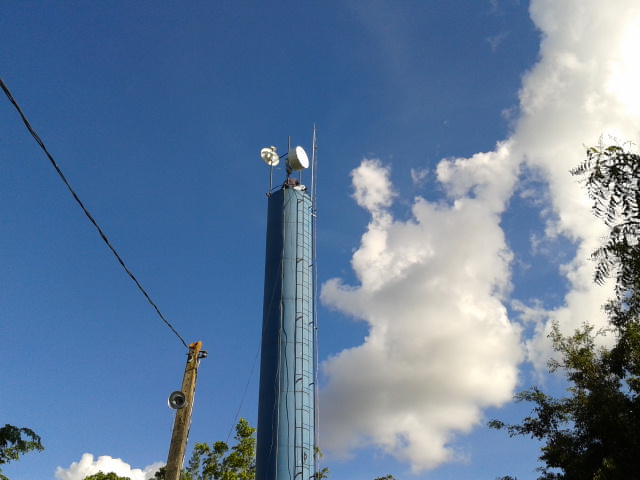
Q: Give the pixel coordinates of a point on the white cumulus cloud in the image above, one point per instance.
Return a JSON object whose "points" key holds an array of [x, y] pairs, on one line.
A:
{"points": [[430, 289], [433, 289], [88, 466], [372, 190]]}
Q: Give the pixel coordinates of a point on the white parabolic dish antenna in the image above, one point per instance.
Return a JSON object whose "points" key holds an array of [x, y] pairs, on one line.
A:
{"points": [[270, 156], [298, 159]]}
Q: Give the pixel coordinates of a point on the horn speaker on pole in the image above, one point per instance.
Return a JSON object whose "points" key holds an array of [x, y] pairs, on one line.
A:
{"points": [[177, 400]]}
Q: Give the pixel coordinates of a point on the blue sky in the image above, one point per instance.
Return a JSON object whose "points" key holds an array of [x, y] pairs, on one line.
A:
{"points": [[450, 233]]}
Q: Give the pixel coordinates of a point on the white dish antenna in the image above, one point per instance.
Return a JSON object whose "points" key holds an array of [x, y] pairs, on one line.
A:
{"points": [[270, 156], [298, 159]]}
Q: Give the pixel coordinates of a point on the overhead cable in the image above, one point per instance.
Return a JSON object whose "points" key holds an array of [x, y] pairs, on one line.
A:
{"points": [[86, 212], [253, 367]]}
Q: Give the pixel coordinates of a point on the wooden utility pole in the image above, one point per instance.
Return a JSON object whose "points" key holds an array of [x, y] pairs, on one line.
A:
{"points": [[183, 415]]}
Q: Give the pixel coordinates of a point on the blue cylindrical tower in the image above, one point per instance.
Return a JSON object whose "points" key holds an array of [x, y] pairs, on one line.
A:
{"points": [[286, 413]]}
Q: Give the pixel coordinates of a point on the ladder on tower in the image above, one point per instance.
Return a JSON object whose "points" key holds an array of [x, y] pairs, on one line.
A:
{"points": [[304, 396]]}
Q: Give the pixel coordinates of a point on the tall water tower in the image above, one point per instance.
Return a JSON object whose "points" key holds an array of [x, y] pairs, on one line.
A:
{"points": [[286, 436]]}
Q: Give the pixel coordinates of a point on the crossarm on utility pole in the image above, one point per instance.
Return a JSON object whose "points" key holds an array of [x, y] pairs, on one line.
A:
{"points": [[183, 415]]}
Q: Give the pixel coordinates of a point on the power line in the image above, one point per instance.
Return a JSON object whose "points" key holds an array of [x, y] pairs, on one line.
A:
{"points": [[86, 212]]}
